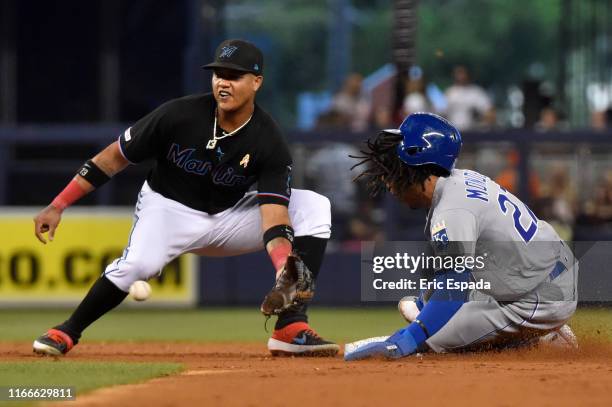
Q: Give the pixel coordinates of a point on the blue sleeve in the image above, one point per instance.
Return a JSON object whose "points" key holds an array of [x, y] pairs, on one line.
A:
{"points": [[436, 313], [419, 301]]}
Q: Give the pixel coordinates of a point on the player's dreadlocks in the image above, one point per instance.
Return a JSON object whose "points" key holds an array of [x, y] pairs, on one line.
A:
{"points": [[384, 166]]}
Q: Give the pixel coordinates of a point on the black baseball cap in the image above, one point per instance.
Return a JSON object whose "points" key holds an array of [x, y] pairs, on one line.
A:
{"points": [[238, 55]]}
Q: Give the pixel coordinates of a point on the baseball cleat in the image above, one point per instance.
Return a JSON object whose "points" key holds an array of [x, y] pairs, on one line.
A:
{"points": [[53, 343], [396, 346], [374, 349], [298, 339], [408, 308], [563, 338], [353, 346]]}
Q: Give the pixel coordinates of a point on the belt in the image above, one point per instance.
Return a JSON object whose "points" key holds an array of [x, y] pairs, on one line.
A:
{"points": [[556, 272]]}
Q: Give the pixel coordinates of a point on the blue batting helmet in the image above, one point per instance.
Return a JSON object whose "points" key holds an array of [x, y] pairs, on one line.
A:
{"points": [[428, 139]]}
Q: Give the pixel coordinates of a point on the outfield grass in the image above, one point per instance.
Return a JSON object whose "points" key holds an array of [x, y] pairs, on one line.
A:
{"points": [[241, 324], [83, 376]]}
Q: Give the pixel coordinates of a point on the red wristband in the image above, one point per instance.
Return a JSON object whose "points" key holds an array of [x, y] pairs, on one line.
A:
{"points": [[279, 255], [69, 195]]}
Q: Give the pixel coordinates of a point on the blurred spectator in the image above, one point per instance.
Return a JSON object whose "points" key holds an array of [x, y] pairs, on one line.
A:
{"points": [[558, 202], [599, 209], [362, 227], [328, 173], [488, 121], [415, 100], [351, 105], [563, 195], [509, 176], [382, 118], [549, 120], [332, 119], [602, 119], [467, 103]]}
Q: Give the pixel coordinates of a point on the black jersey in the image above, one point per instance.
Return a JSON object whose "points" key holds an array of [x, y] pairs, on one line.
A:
{"points": [[209, 180]]}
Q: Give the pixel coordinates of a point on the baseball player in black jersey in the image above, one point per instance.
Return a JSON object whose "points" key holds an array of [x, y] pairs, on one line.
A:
{"points": [[207, 151]]}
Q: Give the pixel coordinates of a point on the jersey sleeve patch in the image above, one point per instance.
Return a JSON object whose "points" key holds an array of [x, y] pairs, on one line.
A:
{"points": [[438, 232], [120, 140], [127, 135]]}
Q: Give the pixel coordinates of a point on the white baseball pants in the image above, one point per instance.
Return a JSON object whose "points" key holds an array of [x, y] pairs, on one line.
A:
{"points": [[164, 229]]}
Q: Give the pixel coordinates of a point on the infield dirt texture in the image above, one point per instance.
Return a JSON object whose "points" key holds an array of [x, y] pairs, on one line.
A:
{"points": [[242, 373]]}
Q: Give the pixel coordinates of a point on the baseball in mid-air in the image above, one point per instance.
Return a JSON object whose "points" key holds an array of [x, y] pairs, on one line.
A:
{"points": [[140, 290]]}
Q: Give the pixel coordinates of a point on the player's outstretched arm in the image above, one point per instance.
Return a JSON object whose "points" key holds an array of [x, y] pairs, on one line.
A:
{"points": [[294, 281], [110, 160], [441, 307], [278, 234], [93, 174]]}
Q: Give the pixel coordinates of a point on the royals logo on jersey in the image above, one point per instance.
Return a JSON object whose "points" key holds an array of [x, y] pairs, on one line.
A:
{"points": [[438, 232], [439, 235]]}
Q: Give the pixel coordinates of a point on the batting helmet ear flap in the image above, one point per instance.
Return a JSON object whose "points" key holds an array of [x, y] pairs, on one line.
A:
{"points": [[429, 139]]}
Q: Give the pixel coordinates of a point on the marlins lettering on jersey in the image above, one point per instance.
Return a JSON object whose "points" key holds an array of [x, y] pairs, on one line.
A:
{"points": [[183, 160], [208, 180], [221, 175]]}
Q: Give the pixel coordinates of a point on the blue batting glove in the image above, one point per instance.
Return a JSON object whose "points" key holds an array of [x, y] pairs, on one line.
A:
{"points": [[405, 343]]}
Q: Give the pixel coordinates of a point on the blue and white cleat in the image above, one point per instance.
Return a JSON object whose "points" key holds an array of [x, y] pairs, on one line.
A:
{"points": [[374, 349], [350, 347], [398, 345]]}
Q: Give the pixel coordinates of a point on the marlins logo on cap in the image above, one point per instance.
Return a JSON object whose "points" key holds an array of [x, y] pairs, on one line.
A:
{"points": [[238, 55], [227, 51]]}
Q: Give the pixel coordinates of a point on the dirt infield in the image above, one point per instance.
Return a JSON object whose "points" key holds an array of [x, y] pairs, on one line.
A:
{"points": [[245, 375]]}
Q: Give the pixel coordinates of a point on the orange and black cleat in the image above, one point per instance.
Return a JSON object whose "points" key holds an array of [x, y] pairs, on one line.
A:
{"points": [[298, 339], [53, 343]]}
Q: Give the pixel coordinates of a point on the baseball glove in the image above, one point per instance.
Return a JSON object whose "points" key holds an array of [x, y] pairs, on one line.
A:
{"points": [[294, 286]]}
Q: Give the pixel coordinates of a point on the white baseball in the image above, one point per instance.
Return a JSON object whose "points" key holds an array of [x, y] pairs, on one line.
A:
{"points": [[140, 290]]}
